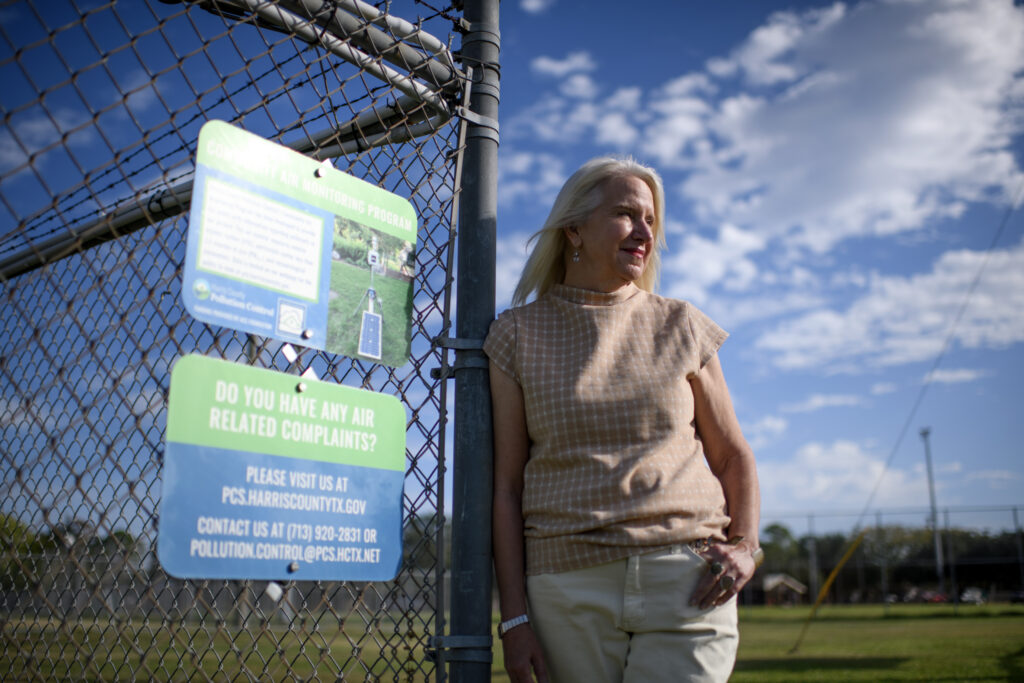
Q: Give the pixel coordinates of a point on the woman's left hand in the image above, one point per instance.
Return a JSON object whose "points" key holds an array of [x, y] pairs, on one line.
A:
{"points": [[730, 567]]}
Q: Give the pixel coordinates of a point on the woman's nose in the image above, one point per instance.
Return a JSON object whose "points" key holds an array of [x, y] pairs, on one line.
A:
{"points": [[642, 230]]}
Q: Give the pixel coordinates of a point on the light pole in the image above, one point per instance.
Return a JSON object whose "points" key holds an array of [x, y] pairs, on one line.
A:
{"points": [[935, 512]]}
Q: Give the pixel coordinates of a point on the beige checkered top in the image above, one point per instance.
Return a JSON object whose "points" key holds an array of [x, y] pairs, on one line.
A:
{"points": [[616, 466]]}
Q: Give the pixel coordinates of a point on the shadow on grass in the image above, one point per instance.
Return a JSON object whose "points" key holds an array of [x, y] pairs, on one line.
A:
{"points": [[800, 665], [834, 614], [1011, 664]]}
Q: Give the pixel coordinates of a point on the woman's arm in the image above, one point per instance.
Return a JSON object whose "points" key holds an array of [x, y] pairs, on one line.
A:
{"points": [[523, 654], [732, 461]]}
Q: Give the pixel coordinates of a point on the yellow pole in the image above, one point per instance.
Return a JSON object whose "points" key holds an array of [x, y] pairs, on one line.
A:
{"points": [[824, 589]]}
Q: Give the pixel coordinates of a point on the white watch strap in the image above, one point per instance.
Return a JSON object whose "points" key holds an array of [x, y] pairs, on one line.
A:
{"points": [[506, 626]]}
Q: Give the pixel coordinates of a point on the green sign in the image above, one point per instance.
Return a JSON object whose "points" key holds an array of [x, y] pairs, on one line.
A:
{"points": [[273, 476], [238, 407], [284, 246]]}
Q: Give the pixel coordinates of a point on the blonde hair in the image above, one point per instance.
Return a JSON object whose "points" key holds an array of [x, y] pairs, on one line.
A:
{"points": [[579, 197]]}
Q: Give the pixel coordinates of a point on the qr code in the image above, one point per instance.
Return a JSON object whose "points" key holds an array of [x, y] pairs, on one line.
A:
{"points": [[291, 318]]}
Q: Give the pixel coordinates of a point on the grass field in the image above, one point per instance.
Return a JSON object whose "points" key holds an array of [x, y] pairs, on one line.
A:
{"points": [[48, 650], [902, 643], [344, 312], [872, 643]]}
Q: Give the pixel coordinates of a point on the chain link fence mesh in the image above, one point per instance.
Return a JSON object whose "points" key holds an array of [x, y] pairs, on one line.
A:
{"points": [[102, 104]]}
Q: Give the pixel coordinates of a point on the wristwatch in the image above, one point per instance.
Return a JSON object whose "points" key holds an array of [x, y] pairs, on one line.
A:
{"points": [[506, 626]]}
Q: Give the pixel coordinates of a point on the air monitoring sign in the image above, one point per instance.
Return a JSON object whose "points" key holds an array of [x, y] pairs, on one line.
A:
{"points": [[283, 246], [273, 476]]}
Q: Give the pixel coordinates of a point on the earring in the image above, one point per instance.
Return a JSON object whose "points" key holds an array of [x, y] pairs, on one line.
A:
{"points": [[576, 256]]}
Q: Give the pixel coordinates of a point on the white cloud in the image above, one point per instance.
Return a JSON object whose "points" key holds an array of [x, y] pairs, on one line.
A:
{"points": [[701, 263], [37, 128], [907, 319], [765, 431], [826, 124], [954, 376], [767, 57], [883, 388], [614, 129], [840, 474], [833, 140], [525, 176], [580, 86], [511, 253], [818, 401], [535, 6], [573, 63]]}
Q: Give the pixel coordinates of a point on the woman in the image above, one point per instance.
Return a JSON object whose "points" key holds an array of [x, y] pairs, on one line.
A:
{"points": [[625, 496]]}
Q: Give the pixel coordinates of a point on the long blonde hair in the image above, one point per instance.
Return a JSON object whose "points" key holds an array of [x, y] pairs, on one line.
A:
{"points": [[579, 197]]}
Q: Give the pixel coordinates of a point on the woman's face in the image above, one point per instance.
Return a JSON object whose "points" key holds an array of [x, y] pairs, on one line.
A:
{"points": [[616, 240]]}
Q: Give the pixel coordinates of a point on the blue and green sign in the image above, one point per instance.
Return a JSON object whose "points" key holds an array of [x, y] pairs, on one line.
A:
{"points": [[273, 476], [283, 246]]}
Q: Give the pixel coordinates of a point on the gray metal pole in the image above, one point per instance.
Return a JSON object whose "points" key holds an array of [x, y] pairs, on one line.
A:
{"points": [[883, 559], [951, 561], [813, 570], [935, 512], [1020, 546], [473, 467]]}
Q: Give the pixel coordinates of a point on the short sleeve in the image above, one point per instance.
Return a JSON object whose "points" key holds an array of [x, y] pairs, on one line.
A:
{"points": [[707, 336], [500, 345]]}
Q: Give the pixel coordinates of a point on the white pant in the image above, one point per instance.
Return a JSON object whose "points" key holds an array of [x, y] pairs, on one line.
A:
{"points": [[630, 621]]}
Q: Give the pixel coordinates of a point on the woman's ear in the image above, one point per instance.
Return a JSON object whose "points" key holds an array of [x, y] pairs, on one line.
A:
{"points": [[572, 233]]}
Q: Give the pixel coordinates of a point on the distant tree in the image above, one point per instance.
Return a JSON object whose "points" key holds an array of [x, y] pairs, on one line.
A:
{"points": [[18, 544], [782, 552], [419, 541]]}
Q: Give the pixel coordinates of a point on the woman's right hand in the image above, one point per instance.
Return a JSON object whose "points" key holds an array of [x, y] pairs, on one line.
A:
{"points": [[524, 658]]}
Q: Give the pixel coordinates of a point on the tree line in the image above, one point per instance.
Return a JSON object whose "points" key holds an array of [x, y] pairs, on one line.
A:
{"points": [[899, 563]]}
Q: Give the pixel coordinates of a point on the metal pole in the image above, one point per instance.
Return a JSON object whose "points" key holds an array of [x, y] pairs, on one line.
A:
{"points": [[935, 513], [1020, 546], [812, 557], [883, 559], [951, 561], [473, 467]]}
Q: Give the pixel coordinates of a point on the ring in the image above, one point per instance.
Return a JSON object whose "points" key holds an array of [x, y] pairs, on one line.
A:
{"points": [[726, 582], [717, 568]]}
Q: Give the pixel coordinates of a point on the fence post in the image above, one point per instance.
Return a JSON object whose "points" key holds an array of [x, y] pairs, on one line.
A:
{"points": [[473, 471]]}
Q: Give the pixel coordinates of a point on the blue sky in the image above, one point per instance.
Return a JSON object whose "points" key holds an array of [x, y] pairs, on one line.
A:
{"points": [[835, 176]]}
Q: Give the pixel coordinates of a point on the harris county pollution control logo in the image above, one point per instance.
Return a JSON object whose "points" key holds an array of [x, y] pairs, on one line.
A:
{"points": [[201, 288]]}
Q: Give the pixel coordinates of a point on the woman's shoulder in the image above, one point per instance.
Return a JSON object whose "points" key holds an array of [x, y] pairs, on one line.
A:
{"points": [[685, 314], [528, 311], [669, 306]]}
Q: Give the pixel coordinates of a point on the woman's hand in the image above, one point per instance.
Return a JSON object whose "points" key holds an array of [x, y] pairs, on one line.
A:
{"points": [[732, 461], [524, 658], [729, 565]]}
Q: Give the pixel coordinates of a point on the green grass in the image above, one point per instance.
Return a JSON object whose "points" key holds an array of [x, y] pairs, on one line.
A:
{"points": [[344, 312], [902, 643], [47, 650], [873, 643]]}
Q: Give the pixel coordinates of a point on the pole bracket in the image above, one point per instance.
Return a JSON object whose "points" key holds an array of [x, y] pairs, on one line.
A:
{"points": [[462, 648], [486, 126], [462, 360], [457, 343]]}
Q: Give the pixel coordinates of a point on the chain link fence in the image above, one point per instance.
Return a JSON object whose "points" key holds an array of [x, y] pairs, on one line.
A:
{"points": [[102, 104]]}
